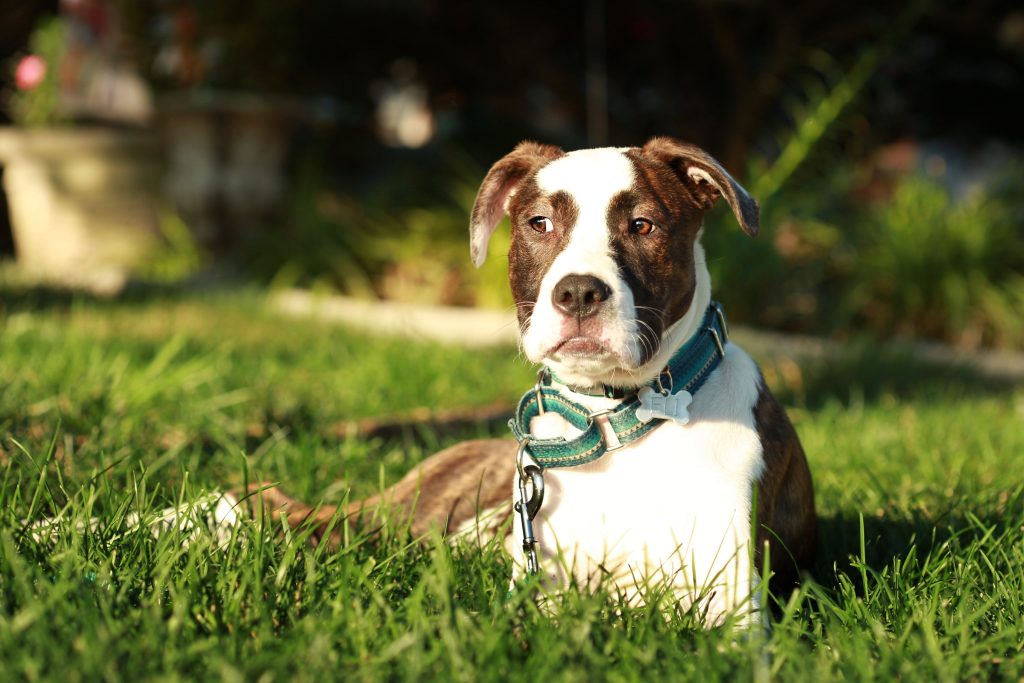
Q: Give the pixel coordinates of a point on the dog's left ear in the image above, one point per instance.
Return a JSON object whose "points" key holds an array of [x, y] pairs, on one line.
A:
{"points": [[497, 189], [706, 178]]}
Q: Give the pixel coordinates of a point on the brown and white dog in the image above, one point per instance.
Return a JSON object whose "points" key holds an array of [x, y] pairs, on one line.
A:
{"points": [[609, 279]]}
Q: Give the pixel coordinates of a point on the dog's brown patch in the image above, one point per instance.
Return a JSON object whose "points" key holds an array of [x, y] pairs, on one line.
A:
{"points": [[445, 492], [785, 501], [682, 158], [531, 253], [501, 181], [658, 267]]}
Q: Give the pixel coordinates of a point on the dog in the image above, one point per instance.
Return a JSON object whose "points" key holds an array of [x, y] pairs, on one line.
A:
{"points": [[639, 451]]}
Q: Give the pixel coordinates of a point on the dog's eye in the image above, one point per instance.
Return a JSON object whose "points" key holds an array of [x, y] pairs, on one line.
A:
{"points": [[641, 226], [541, 224]]}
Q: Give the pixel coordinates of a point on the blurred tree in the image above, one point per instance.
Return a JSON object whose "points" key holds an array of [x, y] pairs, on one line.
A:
{"points": [[714, 71]]}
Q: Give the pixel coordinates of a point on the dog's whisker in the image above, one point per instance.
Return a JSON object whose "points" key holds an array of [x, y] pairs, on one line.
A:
{"points": [[641, 340], [643, 343], [649, 342], [660, 313], [638, 321]]}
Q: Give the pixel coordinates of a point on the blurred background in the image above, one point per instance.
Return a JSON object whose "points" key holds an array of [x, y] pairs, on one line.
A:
{"points": [[338, 145]]}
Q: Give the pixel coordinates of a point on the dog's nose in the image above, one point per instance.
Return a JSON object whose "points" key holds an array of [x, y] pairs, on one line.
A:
{"points": [[580, 295]]}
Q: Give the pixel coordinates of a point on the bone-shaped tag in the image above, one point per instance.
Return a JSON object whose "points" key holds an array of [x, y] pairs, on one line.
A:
{"points": [[654, 404]]}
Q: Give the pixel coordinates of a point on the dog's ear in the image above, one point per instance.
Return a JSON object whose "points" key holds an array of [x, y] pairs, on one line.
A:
{"points": [[699, 171], [497, 189]]}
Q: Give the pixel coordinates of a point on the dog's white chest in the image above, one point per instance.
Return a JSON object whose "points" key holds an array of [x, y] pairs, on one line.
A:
{"points": [[674, 506]]}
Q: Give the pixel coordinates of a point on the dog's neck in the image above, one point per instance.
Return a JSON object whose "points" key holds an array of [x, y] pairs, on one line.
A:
{"points": [[674, 337]]}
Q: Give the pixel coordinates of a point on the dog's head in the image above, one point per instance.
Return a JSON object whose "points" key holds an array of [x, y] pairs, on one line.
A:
{"points": [[605, 262]]}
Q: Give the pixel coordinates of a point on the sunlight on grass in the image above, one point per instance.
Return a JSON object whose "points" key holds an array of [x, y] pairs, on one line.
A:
{"points": [[109, 410]]}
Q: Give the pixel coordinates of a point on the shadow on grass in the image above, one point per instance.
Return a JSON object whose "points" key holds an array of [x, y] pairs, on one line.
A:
{"points": [[21, 298], [866, 371], [862, 374], [888, 540]]}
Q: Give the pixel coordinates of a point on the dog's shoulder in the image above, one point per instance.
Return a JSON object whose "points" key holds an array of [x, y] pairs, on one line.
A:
{"points": [[731, 391]]}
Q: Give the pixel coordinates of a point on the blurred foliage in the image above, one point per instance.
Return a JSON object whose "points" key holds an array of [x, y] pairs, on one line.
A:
{"points": [[326, 241], [821, 101], [915, 261], [405, 239], [835, 257], [820, 108], [179, 255], [918, 262], [922, 261], [40, 106], [942, 268]]}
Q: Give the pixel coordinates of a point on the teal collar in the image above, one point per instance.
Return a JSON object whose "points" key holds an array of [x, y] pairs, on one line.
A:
{"points": [[611, 429]]}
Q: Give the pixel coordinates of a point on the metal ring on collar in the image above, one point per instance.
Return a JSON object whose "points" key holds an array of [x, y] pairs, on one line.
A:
{"points": [[671, 381], [542, 375], [524, 459]]}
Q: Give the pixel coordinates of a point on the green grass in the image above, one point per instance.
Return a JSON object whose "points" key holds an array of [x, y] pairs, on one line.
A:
{"points": [[111, 408]]}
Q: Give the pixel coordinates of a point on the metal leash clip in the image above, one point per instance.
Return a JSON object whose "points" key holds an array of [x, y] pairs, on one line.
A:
{"points": [[530, 472]]}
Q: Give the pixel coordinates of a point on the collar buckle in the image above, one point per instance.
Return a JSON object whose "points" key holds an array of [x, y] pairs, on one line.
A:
{"points": [[720, 314], [608, 435], [720, 341]]}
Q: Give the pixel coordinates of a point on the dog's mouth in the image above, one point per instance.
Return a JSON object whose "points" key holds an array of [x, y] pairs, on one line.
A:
{"points": [[584, 360], [581, 346], [594, 349]]}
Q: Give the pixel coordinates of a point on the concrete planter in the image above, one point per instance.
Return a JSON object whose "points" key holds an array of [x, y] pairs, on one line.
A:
{"points": [[82, 202]]}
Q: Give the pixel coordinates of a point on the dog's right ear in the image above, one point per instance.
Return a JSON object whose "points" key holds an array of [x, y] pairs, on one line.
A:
{"points": [[707, 179], [497, 189]]}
